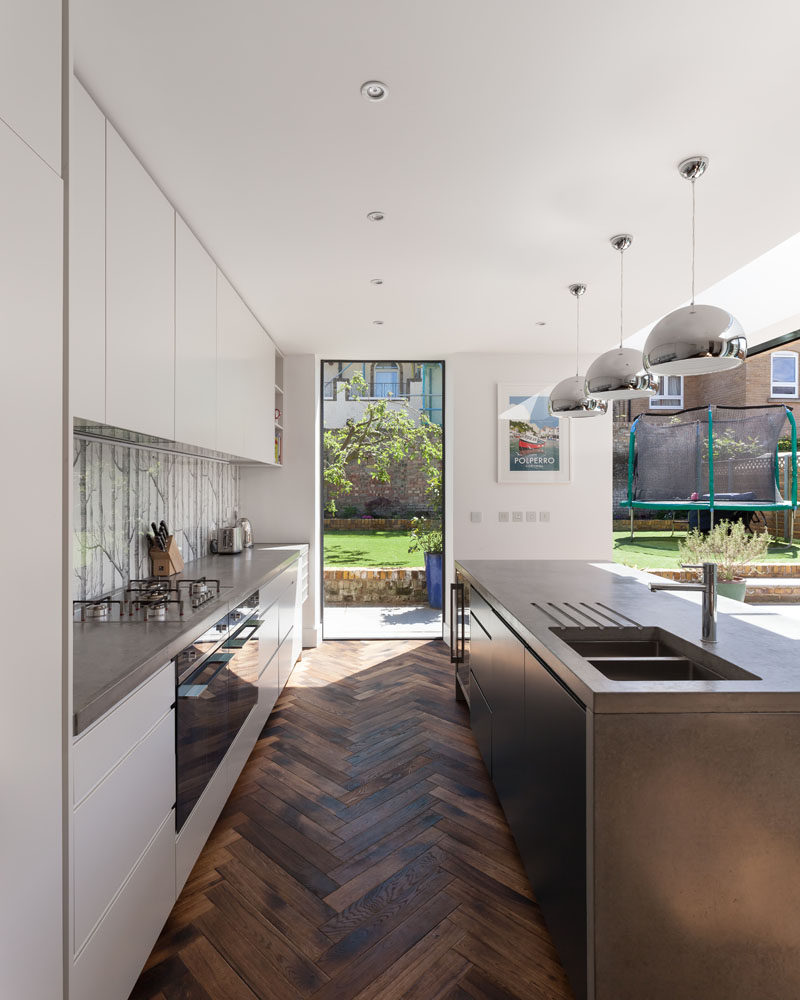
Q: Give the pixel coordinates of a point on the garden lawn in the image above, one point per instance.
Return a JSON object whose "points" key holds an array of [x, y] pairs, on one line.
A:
{"points": [[369, 549], [659, 550]]}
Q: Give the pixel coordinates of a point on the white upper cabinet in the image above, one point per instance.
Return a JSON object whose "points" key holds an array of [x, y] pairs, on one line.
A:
{"points": [[246, 368], [30, 74], [233, 318], [259, 427], [140, 296], [87, 257], [195, 341]]}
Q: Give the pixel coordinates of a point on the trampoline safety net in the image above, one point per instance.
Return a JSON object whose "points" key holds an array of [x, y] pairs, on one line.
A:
{"points": [[670, 455]]}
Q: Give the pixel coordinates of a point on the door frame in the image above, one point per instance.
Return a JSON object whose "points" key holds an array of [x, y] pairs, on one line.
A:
{"points": [[321, 430]]}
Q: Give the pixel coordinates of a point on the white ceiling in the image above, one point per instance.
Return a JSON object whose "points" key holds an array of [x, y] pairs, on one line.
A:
{"points": [[516, 138]]}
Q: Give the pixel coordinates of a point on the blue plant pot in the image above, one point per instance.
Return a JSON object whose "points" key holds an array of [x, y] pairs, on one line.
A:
{"points": [[433, 578]]}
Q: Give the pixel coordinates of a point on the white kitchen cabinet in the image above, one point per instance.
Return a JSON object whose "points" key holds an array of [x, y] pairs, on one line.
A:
{"points": [[259, 426], [30, 74], [233, 318], [111, 961], [140, 297], [87, 258], [123, 839], [246, 378], [117, 820], [31, 292], [195, 341]]}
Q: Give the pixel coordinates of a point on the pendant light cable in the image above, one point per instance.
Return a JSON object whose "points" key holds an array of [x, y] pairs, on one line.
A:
{"points": [[693, 239], [577, 334], [621, 292]]}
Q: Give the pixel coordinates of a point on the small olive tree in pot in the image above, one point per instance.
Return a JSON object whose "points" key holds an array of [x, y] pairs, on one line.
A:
{"points": [[731, 547], [427, 537]]}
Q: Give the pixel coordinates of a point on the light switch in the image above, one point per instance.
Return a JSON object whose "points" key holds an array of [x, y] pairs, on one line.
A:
{"points": [[502, 515], [516, 516], [544, 515], [475, 516], [530, 516]]}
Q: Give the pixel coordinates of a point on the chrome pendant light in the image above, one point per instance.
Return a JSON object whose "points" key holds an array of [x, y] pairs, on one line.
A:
{"points": [[620, 373], [695, 340], [569, 398]]}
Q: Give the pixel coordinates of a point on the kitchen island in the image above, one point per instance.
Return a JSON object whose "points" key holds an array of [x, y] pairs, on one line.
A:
{"points": [[658, 820]]}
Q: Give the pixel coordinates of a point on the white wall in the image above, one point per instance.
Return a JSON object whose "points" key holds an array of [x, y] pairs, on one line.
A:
{"points": [[284, 504], [580, 512]]}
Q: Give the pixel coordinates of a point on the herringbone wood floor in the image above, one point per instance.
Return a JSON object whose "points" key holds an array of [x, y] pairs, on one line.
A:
{"points": [[362, 855]]}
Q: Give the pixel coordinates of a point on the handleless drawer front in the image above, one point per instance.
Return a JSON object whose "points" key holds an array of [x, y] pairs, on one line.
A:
{"points": [[97, 751], [116, 822], [109, 965], [268, 636], [288, 600]]}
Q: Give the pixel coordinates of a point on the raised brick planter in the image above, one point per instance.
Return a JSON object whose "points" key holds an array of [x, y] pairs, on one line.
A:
{"points": [[767, 583], [355, 585]]}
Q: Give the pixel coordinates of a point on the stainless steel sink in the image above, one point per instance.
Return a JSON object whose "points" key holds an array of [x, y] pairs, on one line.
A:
{"points": [[648, 654]]}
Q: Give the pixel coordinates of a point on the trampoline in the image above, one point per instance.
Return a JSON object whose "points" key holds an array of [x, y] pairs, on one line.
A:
{"points": [[713, 459]]}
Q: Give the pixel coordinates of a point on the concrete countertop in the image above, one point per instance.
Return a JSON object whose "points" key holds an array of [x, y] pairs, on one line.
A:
{"points": [[752, 638], [111, 659]]}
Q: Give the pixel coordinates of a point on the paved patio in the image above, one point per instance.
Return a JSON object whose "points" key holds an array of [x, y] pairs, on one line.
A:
{"points": [[381, 622]]}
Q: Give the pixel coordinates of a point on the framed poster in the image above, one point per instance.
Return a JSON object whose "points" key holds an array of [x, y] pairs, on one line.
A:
{"points": [[532, 446]]}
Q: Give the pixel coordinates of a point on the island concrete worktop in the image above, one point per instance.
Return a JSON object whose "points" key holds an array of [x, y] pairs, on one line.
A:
{"points": [[531, 592], [111, 659]]}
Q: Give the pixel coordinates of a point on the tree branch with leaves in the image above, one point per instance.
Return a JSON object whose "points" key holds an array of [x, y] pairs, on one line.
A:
{"points": [[385, 435]]}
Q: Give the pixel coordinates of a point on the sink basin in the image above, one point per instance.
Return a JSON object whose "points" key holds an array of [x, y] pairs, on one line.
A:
{"points": [[648, 654]]}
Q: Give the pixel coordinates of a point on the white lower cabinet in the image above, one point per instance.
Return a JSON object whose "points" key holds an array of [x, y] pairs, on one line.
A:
{"points": [[114, 825], [123, 839], [114, 955]]}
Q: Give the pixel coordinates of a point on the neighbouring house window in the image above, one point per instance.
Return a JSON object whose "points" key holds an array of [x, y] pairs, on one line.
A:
{"points": [[386, 380], [783, 378], [670, 393], [332, 372]]}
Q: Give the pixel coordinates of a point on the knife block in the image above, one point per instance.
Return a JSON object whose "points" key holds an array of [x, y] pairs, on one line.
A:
{"points": [[166, 563]]}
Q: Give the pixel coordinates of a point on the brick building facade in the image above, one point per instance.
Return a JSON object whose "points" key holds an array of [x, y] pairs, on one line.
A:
{"points": [[770, 375]]}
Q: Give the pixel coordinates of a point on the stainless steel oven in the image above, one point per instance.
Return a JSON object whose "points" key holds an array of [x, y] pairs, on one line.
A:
{"points": [[460, 634], [217, 686]]}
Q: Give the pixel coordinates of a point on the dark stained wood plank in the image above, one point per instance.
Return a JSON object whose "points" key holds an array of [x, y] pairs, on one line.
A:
{"points": [[362, 855]]}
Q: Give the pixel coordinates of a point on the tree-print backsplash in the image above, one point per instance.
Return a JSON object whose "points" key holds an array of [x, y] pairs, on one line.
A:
{"points": [[119, 490]]}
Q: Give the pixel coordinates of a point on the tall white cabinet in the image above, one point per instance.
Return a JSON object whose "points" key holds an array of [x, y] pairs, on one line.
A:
{"points": [[140, 296], [195, 340], [87, 258], [31, 292]]}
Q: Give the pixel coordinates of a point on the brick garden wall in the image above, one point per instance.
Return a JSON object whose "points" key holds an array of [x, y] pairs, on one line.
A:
{"points": [[375, 586], [404, 496], [368, 524]]}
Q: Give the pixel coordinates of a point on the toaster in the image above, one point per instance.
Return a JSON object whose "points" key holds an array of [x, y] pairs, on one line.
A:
{"points": [[230, 540]]}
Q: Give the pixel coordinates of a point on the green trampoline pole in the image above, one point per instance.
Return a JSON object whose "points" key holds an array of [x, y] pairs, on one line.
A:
{"points": [[711, 468]]}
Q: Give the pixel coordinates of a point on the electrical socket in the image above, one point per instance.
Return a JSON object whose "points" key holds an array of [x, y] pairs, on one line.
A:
{"points": [[516, 516], [475, 516], [502, 515], [544, 515], [530, 516]]}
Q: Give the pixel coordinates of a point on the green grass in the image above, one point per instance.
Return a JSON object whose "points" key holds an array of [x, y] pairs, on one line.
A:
{"points": [[659, 550], [369, 549]]}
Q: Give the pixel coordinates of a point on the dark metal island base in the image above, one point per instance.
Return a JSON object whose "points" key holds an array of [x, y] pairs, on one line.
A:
{"points": [[658, 819]]}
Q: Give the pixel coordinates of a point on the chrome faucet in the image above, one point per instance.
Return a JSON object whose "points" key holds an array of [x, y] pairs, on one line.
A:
{"points": [[708, 588]]}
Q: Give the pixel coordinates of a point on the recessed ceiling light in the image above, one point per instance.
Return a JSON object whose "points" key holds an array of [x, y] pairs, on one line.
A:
{"points": [[378, 322], [374, 90], [540, 322], [376, 281], [375, 216]]}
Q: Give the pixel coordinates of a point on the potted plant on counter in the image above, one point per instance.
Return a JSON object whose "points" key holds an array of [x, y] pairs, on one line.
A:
{"points": [[730, 546], [427, 537]]}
